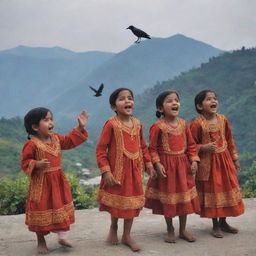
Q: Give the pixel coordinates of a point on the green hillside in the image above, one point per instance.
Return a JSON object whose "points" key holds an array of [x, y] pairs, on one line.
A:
{"points": [[232, 76]]}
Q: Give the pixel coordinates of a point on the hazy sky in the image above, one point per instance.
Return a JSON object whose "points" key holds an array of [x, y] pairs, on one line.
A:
{"points": [[85, 25]]}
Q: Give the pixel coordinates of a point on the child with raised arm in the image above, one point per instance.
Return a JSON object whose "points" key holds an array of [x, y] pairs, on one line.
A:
{"points": [[121, 155], [174, 155], [49, 206], [217, 182]]}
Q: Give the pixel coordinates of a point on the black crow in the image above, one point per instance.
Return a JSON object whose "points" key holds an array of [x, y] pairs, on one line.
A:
{"points": [[99, 91], [139, 33]]}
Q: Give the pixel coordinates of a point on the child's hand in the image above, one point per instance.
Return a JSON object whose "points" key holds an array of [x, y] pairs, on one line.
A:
{"points": [[151, 172], [237, 165], [194, 167], [109, 179], [210, 147], [161, 173], [82, 120], [42, 164]]}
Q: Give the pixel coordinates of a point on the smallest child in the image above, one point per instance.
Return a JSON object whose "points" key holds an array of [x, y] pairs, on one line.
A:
{"points": [[49, 205]]}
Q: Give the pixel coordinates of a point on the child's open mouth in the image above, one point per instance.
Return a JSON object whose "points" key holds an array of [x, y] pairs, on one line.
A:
{"points": [[50, 128], [213, 106], [127, 107], [175, 108]]}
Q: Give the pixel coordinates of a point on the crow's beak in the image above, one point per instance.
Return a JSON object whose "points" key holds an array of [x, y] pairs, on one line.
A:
{"points": [[127, 28]]}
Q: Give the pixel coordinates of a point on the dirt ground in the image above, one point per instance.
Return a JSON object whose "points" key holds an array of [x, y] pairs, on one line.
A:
{"points": [[89, 232]]}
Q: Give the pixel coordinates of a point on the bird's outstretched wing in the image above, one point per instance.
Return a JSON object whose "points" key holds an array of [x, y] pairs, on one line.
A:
{"points": [[93, 89], [101, 88]]}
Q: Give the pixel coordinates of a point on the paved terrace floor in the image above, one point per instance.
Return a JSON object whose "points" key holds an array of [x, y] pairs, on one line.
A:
{"points": [[89, 232]]}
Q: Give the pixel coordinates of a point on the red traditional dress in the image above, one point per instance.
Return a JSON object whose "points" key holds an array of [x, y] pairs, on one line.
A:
{"points": [[217, 182], [123, 151], [175, 148], [49, 205]]}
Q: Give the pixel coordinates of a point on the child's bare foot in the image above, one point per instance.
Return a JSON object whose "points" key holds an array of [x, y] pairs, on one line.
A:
{"points": [[112, 235], [65, 243], [41, 246], [225, 227], [131, 243], [187, 236], [170, 238], [216, 232]]}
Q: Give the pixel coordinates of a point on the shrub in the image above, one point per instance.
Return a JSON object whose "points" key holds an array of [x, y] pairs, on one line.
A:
{"points": [[13, 194]]}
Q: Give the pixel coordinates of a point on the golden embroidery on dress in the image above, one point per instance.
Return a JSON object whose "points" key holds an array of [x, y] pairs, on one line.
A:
{"points": [[49, 217], [120, 202], [175, 131], [221, 199], [119, 127], [53, 148], [171, 198]]}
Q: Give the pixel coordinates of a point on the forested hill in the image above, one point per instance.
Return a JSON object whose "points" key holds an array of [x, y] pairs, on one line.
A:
{"points": [[232, 76], [12, 137]]}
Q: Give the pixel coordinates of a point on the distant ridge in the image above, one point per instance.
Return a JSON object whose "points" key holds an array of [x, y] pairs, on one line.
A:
{"points": [[61, 78], [47, 52]]}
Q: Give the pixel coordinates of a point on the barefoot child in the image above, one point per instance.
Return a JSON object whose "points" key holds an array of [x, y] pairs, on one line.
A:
{"points": [[49, 206], [174, 155], [217, 182], [121, 155]]}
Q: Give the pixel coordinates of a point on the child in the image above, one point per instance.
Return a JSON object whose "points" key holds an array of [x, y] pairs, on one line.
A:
{"points": [[217, 184], [49, 206], [174, 155], [121, 154]]}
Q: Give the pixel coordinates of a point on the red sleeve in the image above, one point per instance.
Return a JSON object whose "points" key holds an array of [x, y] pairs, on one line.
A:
{"points": [[72, 139], [191, 146], [145, 152], [28, 160], [103, 146], [154, 134], [196, 132], [230, 141]]}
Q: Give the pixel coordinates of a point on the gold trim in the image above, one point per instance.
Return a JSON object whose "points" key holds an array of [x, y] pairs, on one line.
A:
{"points": [[204, 167], [53, 148], [36, 183], [120, 202], [219, 200], [49, 217], [119, 127], [80, 134], [31, 167], [167, 129], [105, 168], [171, 198]]}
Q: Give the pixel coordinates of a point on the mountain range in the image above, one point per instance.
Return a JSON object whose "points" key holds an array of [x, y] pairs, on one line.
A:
{"points": [[59, 79]]}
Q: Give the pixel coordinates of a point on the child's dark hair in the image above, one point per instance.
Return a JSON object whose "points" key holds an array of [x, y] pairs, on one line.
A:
{"points": [[114, 95], [200, 98], [160, 101], [33, 117]]}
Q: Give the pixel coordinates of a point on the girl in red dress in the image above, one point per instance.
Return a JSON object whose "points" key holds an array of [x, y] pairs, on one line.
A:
{"points": [[217, 182], [49, 206], [174, 155], [121, 155]]}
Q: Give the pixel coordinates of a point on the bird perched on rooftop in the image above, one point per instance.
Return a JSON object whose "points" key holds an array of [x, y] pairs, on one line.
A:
{"points": [[139, 33], [99, 91]]}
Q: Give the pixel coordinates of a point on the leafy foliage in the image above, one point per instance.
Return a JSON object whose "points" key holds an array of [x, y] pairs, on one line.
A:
{"points": [[14, 193]]}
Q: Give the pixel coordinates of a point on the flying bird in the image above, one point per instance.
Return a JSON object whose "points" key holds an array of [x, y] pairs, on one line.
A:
{"points": [[99, 91], [139, 33]]}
